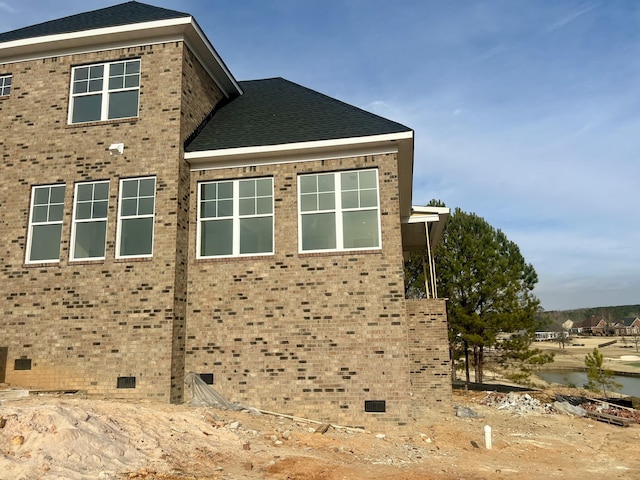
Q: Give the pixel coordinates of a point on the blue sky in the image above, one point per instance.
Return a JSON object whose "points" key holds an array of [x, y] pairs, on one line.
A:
{"points": [[526, 113]]}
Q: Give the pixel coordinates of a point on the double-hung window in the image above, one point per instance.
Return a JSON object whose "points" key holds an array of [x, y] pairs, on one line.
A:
{"points": [[5, 85], [45, 223], [235, 218], [339, 211], [89, 229], [105, 91], [136, 217]]}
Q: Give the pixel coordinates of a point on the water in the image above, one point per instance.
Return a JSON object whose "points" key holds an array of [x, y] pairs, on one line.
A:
{"points": [[630, 385]]}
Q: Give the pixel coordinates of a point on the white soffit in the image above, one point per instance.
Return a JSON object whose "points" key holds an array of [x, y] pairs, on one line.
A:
{"points": [[161, 31]]}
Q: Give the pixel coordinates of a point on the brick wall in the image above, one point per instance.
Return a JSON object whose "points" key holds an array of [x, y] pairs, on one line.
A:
{"points": [[83, 324], [430, 361], [305, 334]]}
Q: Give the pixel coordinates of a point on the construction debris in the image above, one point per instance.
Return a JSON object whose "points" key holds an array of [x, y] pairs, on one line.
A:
{"points": [[515, 403]]}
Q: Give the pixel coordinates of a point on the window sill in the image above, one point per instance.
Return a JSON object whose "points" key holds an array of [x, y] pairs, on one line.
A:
{"points": [[132, 259], [42, 264], [333, 253], [234, 259], [130, 121]]}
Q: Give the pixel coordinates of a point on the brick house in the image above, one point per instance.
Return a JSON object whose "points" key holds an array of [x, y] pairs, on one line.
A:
{"points": [[160, 217]]}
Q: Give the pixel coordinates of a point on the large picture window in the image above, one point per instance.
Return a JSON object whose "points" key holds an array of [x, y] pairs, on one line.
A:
{"points": [[235, 218], [339, 211], [105, 91], [136, 217], [45, 223], [89, 230]]}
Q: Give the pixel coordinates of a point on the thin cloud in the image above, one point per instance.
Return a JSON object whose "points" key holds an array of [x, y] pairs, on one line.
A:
{"points": [[7, 8], [571, 17]]}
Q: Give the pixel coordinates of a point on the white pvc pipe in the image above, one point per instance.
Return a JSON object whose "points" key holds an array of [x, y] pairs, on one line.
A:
{"points": [[487, 437]]}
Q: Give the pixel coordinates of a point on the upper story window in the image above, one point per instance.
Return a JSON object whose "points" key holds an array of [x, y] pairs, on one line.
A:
{"points": [[235, 218], [45, 224], [89, 230], [136, 217], [5, 85], [105, 91], [339, 211]]}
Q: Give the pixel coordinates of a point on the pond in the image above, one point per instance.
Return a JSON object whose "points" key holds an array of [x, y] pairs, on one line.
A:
{"points": [[630, 384]]}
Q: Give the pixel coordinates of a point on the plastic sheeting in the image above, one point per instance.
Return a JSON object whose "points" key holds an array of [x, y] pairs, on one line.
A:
{"points": [[204, 395]]}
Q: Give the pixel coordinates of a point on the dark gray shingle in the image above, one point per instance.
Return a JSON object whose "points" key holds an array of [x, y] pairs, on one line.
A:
{"points": [[276, 111], [116, 15]]}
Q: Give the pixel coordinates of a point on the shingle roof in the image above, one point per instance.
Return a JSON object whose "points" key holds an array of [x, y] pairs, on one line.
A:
{"points": [[123, 14], [276, 111]]}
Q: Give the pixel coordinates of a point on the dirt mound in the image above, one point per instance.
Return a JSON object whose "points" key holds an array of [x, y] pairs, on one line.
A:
{"points": [[66, 437]]}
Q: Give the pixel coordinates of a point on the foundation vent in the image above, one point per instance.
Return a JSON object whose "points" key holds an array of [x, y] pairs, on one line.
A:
{"points": [[22, 364], [207, 378], [126, 382], [375, 406]]}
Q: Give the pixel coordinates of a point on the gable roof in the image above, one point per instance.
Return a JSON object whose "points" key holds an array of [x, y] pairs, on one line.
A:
{"points": [[116, 15], [276, 111]]}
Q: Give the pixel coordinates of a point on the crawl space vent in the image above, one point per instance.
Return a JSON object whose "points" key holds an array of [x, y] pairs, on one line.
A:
{"points": [[375, 406], [126, 382], [22, 364]]}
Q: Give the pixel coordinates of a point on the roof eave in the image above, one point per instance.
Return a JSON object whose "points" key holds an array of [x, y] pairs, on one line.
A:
{"points": [[177, 29]]}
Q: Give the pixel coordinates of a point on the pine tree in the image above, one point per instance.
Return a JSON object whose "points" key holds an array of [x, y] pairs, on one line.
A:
{"points": [[488, 283], [599, 377]]}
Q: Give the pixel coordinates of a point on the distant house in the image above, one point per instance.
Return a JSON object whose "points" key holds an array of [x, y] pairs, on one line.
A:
{"points": [[594, 326], [627, 326], [160, 217]]}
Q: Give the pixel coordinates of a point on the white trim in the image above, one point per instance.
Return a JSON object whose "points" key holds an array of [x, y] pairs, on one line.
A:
{"points": [[83, 49], [60, 222], [120, 217], [289, 147], [184, 29], [105, 92], [282, 160], [97, 32], [338, 210], [235, 218], [75, 222]]}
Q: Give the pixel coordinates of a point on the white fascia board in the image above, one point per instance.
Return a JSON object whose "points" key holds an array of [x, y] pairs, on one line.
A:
{"points": [[428, 210], [32, 43], [421, 218], [123, 36], [235, 155]]}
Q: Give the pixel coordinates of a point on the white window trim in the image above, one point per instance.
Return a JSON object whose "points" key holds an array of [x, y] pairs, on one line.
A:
{"points": [[338, 210], [104, 107], [3, 84], [32, 224], [236, 221], [121, 217], [74, 222]]}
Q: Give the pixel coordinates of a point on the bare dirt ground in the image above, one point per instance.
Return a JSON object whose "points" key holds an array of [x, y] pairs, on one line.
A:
{"points": [[67, 437], [71, 437]]}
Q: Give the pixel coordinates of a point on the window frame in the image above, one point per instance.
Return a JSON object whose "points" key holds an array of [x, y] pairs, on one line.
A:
{"points": [[75, 221], [5, 87], [32, 223], [138, 216], [339, 211], [105, 91], [235, 217]]}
